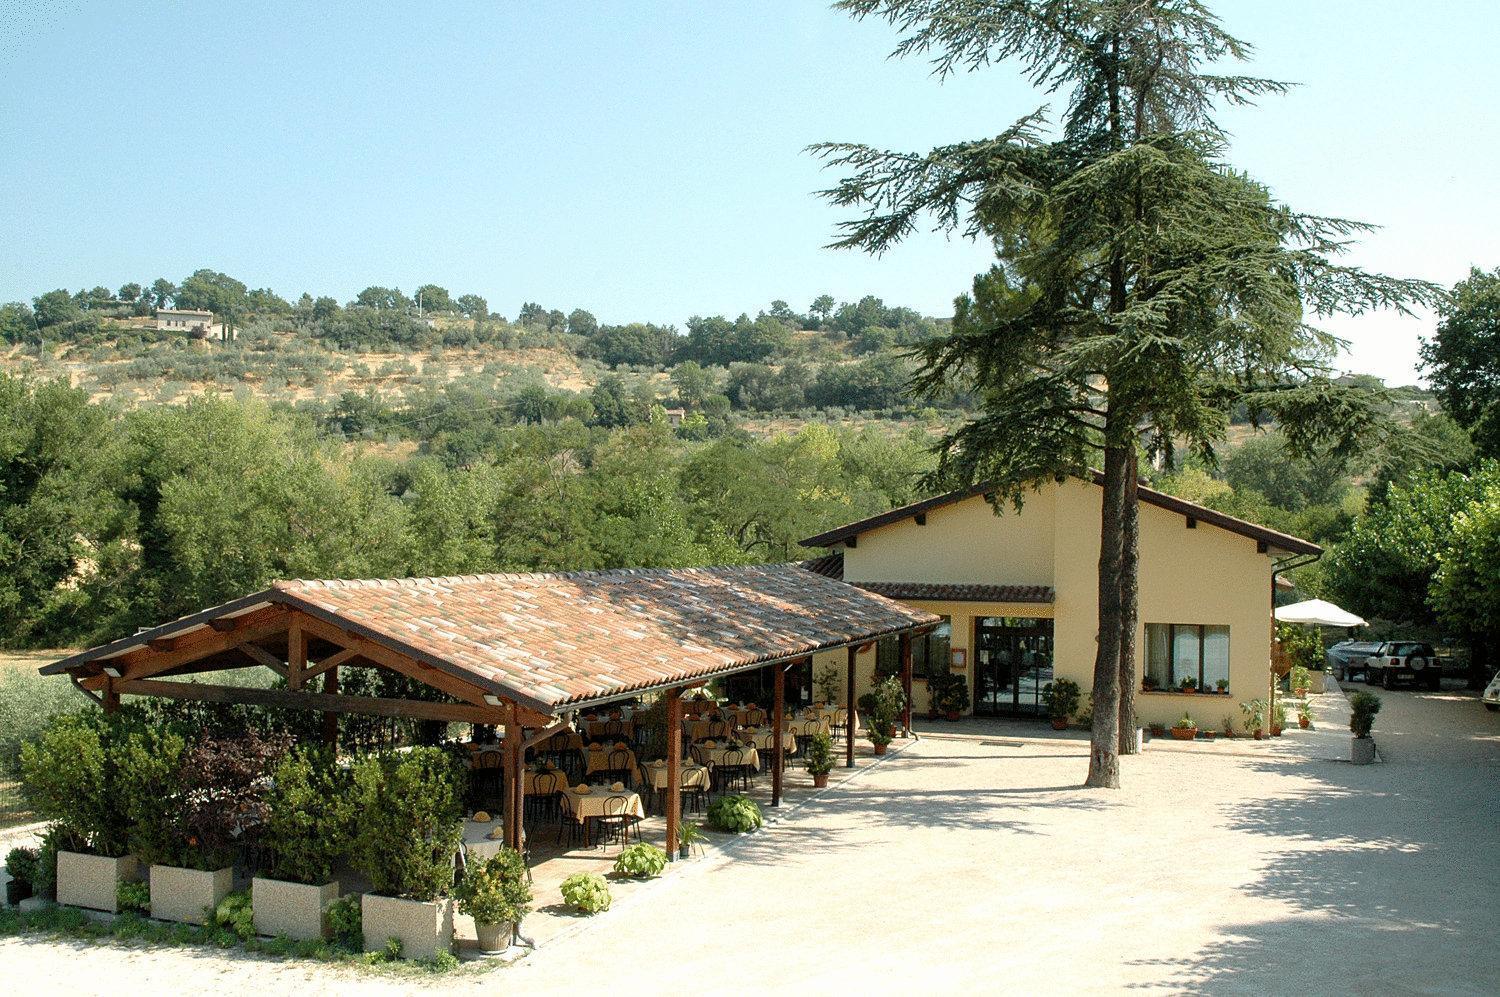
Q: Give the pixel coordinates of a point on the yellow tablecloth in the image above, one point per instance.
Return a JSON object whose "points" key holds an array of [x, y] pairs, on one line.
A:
{"points": [[530, 778], [761, 737], [609, 728], [594, 803], [717, 755], [598, 761], [563, 739], [692, 776], [807, 727]]}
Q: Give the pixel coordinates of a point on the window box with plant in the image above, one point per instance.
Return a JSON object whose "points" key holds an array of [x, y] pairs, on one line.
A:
{"points": [[1062, 696], [1362, 709], [497, 896], [409, 826], [71, 775], [819, 758], [309, 821], [1185, 729], [1189, 685]]}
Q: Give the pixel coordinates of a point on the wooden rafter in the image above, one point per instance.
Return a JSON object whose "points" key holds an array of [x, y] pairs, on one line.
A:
{"points": [[322, 701], [261, 656]]}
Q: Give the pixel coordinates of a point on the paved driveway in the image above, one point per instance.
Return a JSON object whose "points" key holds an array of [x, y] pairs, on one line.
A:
{"points": [[972, 860]]}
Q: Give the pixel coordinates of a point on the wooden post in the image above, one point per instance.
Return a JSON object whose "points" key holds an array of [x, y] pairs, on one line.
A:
{"points": [[906, 683], [849, 718], [514, 796], [296, 654], [778, 721], [673, 809], [331, 719], [111, 697]]}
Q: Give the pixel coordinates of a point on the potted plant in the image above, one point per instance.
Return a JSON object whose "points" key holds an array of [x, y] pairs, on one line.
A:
{"points": [[641, 861], [409, 827], [214, 791], [1149, 683], [21, 865], [1304, 715], [885, 706], [1228, 726], [586, 892], [1362, 709], [308, 823], [1158, 730], [1299, 681], [949, 695], [71, 775], [819, 758], [738, 814], [1185, 729], [1062, 696], [1278, 718], [687, 836], [497, 896], [1255, 717], [1223, 686], [1189, 684]]}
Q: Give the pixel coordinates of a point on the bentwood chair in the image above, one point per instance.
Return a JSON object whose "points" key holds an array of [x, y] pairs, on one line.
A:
{"points": [[567, 820], [693, 795], [733, 771], [616, 821], [541, 802]]}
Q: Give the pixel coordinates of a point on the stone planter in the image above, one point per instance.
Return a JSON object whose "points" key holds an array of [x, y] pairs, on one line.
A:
{"points": [[296, 910], [91, 880], [1316, 683], [188, 895], [1362, 750], [424, 929], [493, 937]]}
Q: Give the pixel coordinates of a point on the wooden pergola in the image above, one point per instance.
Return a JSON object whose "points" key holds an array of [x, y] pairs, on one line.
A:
{"points": [[518, 652]]}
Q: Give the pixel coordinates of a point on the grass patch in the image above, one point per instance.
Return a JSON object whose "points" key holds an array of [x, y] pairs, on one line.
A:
{"points": [[133, 929]]}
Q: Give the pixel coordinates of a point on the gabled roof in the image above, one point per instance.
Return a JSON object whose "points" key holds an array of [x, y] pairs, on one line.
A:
{"points": [[551, 641], [832, 566], [1273, 539]]}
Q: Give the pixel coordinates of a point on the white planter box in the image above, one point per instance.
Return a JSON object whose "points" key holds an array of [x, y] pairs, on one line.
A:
{"points": [[91, 880], [296, 910], [1362, 750], [185, 894], [425, 929]]}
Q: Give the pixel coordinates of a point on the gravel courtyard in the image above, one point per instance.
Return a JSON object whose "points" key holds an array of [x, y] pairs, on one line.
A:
{"points": [[972, 860]]}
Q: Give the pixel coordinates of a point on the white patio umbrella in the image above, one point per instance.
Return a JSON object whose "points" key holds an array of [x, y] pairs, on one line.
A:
{"points": [[1318, 611]]}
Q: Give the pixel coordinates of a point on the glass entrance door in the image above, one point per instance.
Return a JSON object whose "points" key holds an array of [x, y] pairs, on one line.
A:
{"points": [[1012, 664]]}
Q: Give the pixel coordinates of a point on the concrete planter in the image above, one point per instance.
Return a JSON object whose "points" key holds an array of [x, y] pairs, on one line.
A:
{"points": [[493, 937], [188, 895], [91, 880], [1316, 684], [296, 910], [424, 929], [1362, 750]]}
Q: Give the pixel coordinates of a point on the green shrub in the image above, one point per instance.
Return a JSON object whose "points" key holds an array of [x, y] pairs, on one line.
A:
{"points": [[346, 922], [44, 873], [71, 776], [949, 693], [410, 822], [149, 784], [1362, 709], [586, 891], [1062, 697], [21, 864], [134, 896], [1255, 715], [641, 861], [819, 760], [234, 914], [310, 817], [734, 813], [496, 892]]}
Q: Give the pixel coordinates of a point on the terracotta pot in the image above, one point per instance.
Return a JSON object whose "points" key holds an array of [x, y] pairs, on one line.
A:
{"points": [[1189, 692], [1184, 733], [1304, 723], [1259, 734], [1275, 731], [953, 715], [880, 749], [1208, 735], [1059, 723], [1301, 692], [820, 781]]}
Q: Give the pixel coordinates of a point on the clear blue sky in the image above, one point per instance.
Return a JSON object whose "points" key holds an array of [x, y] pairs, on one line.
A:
{"points": [[643, 160]]}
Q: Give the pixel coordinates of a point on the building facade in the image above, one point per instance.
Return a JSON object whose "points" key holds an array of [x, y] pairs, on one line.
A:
{"points": [[188, 321], [1018, 590]]}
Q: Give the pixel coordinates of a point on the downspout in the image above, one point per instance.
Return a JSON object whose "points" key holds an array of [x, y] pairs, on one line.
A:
{"points": [[1277, 568]]}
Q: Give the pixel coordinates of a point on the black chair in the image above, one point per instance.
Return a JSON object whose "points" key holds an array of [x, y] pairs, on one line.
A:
{"points": [[693, 796], [617, 821], [541, 802], [732, 771], [620, 767]]}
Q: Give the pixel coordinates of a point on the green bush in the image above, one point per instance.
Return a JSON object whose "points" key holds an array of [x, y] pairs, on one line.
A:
{"points": [[949, 693], [1362, 709], [71, 775], [819, 759], [234, 914], [149, 784], [734, 813], [1062, 697], [410, 822], [134, 896], [21, 864], [586, 891], [44, 873], [496, 892], [346, 922], [641, 861], [310, 817]]}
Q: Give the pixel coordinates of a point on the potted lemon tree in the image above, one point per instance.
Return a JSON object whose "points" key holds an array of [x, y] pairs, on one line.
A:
{"points": [[309, 819], [409, 825]]}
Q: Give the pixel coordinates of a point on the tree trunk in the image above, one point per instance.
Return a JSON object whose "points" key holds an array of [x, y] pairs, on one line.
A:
{"points": [[1104, 757], [1129, 600]]}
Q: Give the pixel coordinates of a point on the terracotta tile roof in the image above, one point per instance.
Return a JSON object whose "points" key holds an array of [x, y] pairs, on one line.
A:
{"points": [[829, 565], [553, 640], [946, 592]]}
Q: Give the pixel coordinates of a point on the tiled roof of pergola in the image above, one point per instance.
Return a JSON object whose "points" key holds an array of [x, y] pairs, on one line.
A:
{"points": [[554, 641]]}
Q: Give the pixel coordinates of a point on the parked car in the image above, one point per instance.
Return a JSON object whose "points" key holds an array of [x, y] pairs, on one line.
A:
{"points": [[1347, 658], [1398, 661], [1491, 694]]}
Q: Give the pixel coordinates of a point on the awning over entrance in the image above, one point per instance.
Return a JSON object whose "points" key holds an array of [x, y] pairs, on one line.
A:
{"points": [[1316, 611]]}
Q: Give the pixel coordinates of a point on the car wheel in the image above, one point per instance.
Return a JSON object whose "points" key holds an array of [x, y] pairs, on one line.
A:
{"points": [[1385, 678]]}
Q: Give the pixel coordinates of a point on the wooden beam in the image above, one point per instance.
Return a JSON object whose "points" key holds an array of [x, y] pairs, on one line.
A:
{"points": [[296, 655], [224, 625], [545, 733], [921, 518], [849, 719], [513, 797], [111, 698], [332, 661], [192, 647], [264, 657], [162, 644], [778, 721], [1192, 522], [327, 702], [674, 770], [906, 683], [330, 718]]}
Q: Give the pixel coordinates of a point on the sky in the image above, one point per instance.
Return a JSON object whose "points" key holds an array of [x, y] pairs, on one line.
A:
{"points": [[645, 160]]}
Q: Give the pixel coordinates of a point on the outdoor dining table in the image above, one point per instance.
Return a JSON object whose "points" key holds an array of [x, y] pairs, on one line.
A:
{"points": [[559, 779], [478, 845], [609, 728], [691, 776], [595, 803], [716, 755], [808, 726], [597, 759], [760, 737]]}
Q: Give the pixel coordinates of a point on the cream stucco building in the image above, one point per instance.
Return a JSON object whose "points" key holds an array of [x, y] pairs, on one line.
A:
{"points": [[1019, 591]]}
